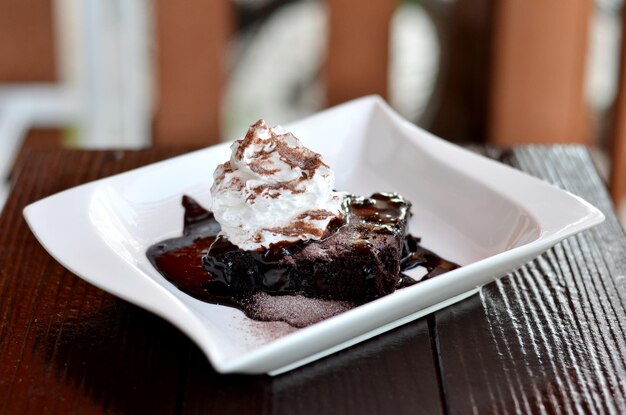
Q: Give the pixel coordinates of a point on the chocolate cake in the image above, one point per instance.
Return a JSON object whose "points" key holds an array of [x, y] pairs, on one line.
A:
{"points": [[359, 259]]}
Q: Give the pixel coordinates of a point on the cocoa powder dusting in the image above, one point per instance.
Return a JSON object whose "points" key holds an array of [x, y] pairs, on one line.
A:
{"points": [[268, 331], [297, 310], [237, 183], [316, 214], [225, 169]]}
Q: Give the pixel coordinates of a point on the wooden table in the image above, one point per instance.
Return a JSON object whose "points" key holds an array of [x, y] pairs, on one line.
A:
{"points": [[548, 338]]}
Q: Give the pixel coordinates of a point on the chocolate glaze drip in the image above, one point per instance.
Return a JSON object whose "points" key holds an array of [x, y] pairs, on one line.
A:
{"points": [[184, 260], [380, 208], [414, 255]]}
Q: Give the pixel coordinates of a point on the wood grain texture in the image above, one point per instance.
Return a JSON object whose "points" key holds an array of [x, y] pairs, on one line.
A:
{"points": [[548, 338], [66, 346]]}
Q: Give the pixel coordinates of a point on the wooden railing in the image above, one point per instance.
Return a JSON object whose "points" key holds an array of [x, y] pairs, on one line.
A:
{"points": [[533, 90]]}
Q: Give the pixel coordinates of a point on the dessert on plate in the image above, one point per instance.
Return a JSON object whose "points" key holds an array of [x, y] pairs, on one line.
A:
{"points": [[280, 236]]}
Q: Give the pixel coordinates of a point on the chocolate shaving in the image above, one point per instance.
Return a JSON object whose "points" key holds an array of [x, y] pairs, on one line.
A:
{"points": [[297, 228], [303, 158], [317, 214], [267, 188], [291, 186], [296, 157], [257, 167]]}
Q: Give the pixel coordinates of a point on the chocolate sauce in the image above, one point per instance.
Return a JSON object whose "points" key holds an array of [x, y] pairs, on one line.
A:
{"points": [[414, 255], [381, 208], [184, 260]]}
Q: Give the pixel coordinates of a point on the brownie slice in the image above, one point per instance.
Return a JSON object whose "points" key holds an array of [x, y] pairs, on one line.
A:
{"points": [[357, 262]]}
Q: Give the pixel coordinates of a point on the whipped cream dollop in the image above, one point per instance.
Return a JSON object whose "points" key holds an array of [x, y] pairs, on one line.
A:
{"points": [[273, 189]]}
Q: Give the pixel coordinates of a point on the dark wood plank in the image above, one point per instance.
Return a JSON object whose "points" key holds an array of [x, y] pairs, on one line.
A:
{"points": [[392, 373], [65, 346], [38, 138], [550, 337]]}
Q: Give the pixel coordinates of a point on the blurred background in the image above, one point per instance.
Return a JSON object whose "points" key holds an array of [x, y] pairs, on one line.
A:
{"points": [[138, 73]]}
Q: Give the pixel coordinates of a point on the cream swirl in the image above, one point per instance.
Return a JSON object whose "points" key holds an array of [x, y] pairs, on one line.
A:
{"points": [[273, 190]]}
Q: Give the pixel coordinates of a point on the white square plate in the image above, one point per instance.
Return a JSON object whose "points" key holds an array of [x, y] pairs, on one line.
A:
{"points": [[474, 211]]}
